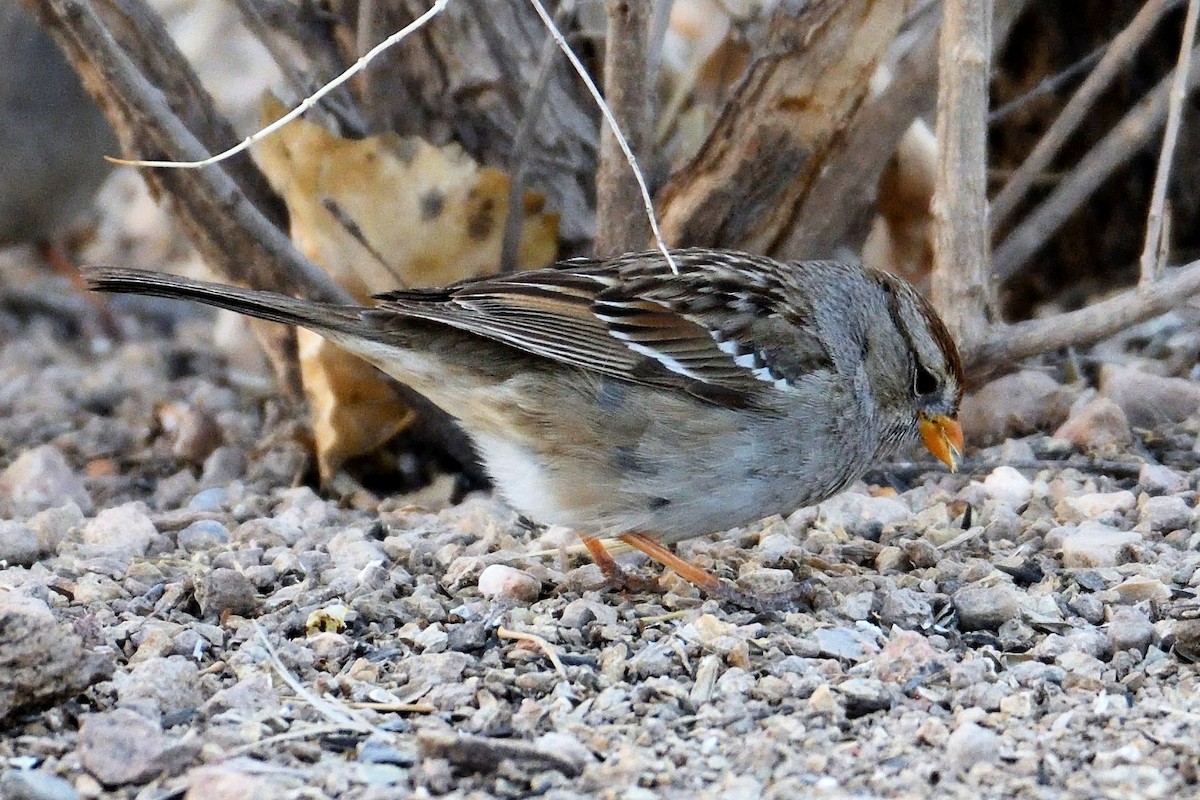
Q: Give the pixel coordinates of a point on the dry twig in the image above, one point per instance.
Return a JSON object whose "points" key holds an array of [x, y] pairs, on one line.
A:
{"points": [[1152, 260], [1119, 53], [960, 280], [521, 636], [1004, 345], [1128, 137], [620, 228]]}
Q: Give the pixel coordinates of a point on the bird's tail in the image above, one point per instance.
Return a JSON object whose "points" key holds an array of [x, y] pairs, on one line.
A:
{"points": [[271, 306]]}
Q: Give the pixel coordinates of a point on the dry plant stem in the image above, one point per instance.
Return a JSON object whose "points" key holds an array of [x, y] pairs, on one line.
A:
{"points": [[614, 128], [1007, 344], [305, 104], [1126, 139], [1048, 85], [537, 641], [1151, 264], [785, 119], [621, 227], [960, 281], [1118, 55]]}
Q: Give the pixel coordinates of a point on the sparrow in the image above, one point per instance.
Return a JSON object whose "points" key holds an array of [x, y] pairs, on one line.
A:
{"points": [[621, 398]]}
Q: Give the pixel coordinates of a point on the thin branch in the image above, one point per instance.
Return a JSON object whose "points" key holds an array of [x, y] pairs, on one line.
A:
{"points": [[1048, 85], [619, 228], [613, 126], [1005, 344], [1151, 265], [1116, 57], [305, 105], [960, 282], [1129, 137]]}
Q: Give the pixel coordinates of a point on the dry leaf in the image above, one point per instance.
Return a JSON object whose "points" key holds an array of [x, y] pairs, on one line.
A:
{"points": [[901, 238], [383, 213]]}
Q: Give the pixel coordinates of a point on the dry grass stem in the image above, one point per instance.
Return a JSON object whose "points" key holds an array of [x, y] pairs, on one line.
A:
{"points": [[1152, 260]]}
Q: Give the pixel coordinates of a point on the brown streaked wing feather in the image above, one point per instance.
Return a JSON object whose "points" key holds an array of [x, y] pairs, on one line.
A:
{"points": [[632, 319]]}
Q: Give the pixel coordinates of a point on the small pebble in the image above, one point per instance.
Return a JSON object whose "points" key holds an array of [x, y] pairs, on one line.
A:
{"points": [[1159, 479], [1008, 486], [985, 607], [1096, 545], [35, 784], [123, 531], [203, 535], [1130, 629], [972, 744], [502, 582], [1166, 513], [18, 544], [225, 589], [1149, 399]]}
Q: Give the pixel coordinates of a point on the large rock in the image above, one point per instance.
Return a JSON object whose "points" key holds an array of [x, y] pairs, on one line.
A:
{"points": [[39, 479], [1015, 405], [40, 659], [1099, 426], [1148, 399]]}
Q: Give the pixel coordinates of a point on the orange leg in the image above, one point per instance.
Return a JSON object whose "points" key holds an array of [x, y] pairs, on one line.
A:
{"points": [[617, 577], [710, 584]]}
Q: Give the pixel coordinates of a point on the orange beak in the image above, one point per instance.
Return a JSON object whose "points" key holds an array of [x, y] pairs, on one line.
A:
{"points": [[944, 438]]}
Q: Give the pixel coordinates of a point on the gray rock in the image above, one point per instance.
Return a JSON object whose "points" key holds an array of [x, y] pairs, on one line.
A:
{"points": [[122, 531], [865, 695], [39, 479], [54, 525], [40, 659], [1099, 426], [1015, 405], [985, 607], [18, 544], [226, 589], [211, 499], [167, 685], [1093, 544], [1159, 479], [1165, 513], [845, 643], [203, 535], [228, 782], [35, 784], [120, 748], [1149, 400], [972, 744], [502, 582], [905, 608], [1130, 629]]}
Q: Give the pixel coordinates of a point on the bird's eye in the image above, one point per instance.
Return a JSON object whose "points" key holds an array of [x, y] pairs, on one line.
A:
{"points": [[924, 383]]}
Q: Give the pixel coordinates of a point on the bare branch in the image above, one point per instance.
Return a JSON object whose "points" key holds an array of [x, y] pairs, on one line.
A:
{"points": [[620, 226], [1005, 344], [960, 281], [1150, 263], [1119, 53], [1127, 138], [614, 128]]}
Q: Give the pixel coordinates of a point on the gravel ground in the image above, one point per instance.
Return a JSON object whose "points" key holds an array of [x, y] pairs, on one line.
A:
{"points": [[179, 618]]}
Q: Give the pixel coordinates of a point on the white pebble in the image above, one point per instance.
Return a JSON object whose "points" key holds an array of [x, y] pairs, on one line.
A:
{"points": [[1008, 485], [500, 581]]}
